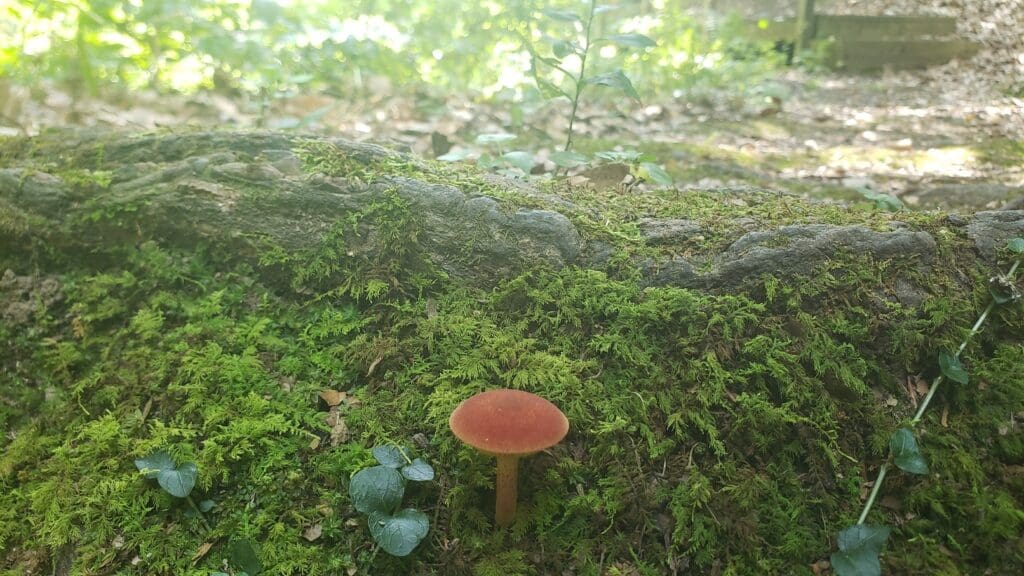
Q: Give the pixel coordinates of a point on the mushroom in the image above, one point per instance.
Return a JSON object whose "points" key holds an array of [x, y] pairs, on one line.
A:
{"points": [[508, 424]]}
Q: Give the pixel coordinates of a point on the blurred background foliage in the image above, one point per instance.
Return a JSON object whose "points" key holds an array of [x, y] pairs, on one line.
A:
{"points": [[266, 49]]}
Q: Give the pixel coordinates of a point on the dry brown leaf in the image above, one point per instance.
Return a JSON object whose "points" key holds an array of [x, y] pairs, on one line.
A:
{"points": [[339, 430], [821, 567], [373, 366], [944, 420], [203, 549], [333, 397], [313, 532]]}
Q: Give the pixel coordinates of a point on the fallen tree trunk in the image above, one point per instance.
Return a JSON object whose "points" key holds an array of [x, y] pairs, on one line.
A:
{"points": [[253, 189]]}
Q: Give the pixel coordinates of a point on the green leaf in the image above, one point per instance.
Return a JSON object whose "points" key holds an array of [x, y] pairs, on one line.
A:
{"points": [[243, 555], [655, 173], [1016, 245], [154, 463], [455, 155], [178, 482], [496, 138], [561, 48], [391, 456], [859, 547], [885, 202], [561, 15], [951, 368], [567, 158], [418, 471], [206, 505], [398, 535], [549, 90], [629, 40], [615, 79], [376, 489], [624, 156], [520, 159], [905, 453]]}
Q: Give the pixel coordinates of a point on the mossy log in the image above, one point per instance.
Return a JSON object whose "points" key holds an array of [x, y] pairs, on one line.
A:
{"points": [[249, 190]]}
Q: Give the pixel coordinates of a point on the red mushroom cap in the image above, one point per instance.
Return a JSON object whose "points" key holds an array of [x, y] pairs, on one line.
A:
{"points": [[508, 422]]}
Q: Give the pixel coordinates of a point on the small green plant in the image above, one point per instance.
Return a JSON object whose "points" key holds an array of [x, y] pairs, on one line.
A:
{"points": [[569, 80], [861, 544], [495, 157], [178, 481], [377, 492], [641, 165]]}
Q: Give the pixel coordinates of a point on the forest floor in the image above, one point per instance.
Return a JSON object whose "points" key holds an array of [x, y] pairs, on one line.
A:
{"points": [[936, 138]]}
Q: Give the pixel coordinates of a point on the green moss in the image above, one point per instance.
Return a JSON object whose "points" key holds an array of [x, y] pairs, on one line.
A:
{"points": [[1001, 152], [730, 432]]}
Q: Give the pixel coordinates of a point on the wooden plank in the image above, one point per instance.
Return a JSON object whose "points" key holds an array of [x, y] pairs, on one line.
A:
{"points": [[883, 27], [862, 56]]}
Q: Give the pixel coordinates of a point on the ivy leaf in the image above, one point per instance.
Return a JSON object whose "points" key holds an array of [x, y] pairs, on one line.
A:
{"points": [[1016, 245], [520, 159], [561, 15], [418, 471], [398, 535], [154, 463], [377, 489], [391, 456], [630, 40], [905, 452], [655, 173], [859, 547], [178, 482], [952, 369], [567, 158], [615, 79], [243, 555]]}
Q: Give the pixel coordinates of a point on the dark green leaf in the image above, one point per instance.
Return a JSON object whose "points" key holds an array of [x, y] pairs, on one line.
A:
{"points": [[398, 535], [859, 547], [568, 158], [905, 452], [655, 173], [951, 368], [520, 159], [391, 456], [629, 40], [418, 471], [1016, 245], [206, 505], [616, 79], [178, 482], [152, 465], [376, 489], [561, 15], [243, 555]]}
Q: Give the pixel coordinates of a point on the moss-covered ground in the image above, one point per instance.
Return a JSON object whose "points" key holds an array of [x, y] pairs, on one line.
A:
{"points": [[711, 433]]}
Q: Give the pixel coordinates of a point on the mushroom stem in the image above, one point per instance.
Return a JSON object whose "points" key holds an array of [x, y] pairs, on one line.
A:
{"points": [[506, 488]]}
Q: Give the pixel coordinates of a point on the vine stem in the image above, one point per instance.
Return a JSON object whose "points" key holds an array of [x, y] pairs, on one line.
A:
{"points": [[931, 393], [199, 512]]}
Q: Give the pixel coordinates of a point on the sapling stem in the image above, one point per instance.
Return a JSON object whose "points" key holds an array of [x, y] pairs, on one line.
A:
{"points": [[579, 80], [931, 393]]}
